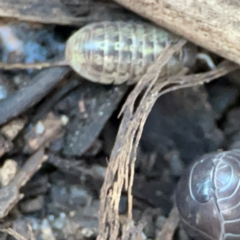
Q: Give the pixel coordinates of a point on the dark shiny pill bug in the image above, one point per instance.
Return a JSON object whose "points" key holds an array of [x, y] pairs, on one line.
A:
{"points": [[208, 197]]}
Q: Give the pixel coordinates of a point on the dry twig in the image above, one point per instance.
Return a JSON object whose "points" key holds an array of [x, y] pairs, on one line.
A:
{"points": [[10, 194], [29, 95], [170, 226], [18, 236]]}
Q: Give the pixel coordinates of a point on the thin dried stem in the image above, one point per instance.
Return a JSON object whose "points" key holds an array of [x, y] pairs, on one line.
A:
{"points": [[170, 226], [25, 66]]}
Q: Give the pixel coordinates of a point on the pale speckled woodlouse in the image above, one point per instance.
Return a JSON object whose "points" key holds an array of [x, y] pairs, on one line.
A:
{"points": [[115, 52]]}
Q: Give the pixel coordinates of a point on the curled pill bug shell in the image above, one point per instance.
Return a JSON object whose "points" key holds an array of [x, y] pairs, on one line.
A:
{"points": [[116, 52], [208, 197]]}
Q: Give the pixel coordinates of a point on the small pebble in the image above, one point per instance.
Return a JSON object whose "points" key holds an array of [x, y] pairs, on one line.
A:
{"points": [[3, 92], [40, 128], [8, 171]]}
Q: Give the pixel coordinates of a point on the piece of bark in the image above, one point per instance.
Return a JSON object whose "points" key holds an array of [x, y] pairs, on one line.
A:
{"points": [[32, 205], [12, 129], [40, 11], [29, 95], [170, 226], [10, 194], [8, 171], [212, 24], [88, 107], [5, 145], [50, 127], [77, 168], [61, 12]]}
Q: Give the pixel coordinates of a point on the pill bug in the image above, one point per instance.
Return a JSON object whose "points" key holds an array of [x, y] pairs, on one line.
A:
{"points": [[208, 197], [114, 52]]}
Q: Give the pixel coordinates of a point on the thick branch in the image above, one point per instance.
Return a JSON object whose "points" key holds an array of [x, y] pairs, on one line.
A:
{"points": [[212, 24]]}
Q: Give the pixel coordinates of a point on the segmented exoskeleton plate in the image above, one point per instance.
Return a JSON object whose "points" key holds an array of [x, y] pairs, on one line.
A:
{"points": [[208, 197], [114, 52]]}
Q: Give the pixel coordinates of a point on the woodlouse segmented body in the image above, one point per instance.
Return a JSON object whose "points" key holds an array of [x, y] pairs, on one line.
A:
{"points": [[208, 197], [114, 52]]}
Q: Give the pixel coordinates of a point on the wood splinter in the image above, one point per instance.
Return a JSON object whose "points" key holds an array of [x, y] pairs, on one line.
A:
{"points": [[10, 195]]}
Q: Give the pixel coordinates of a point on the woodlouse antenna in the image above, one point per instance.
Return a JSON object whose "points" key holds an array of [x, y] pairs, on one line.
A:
{"points": [[207, 59]]}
